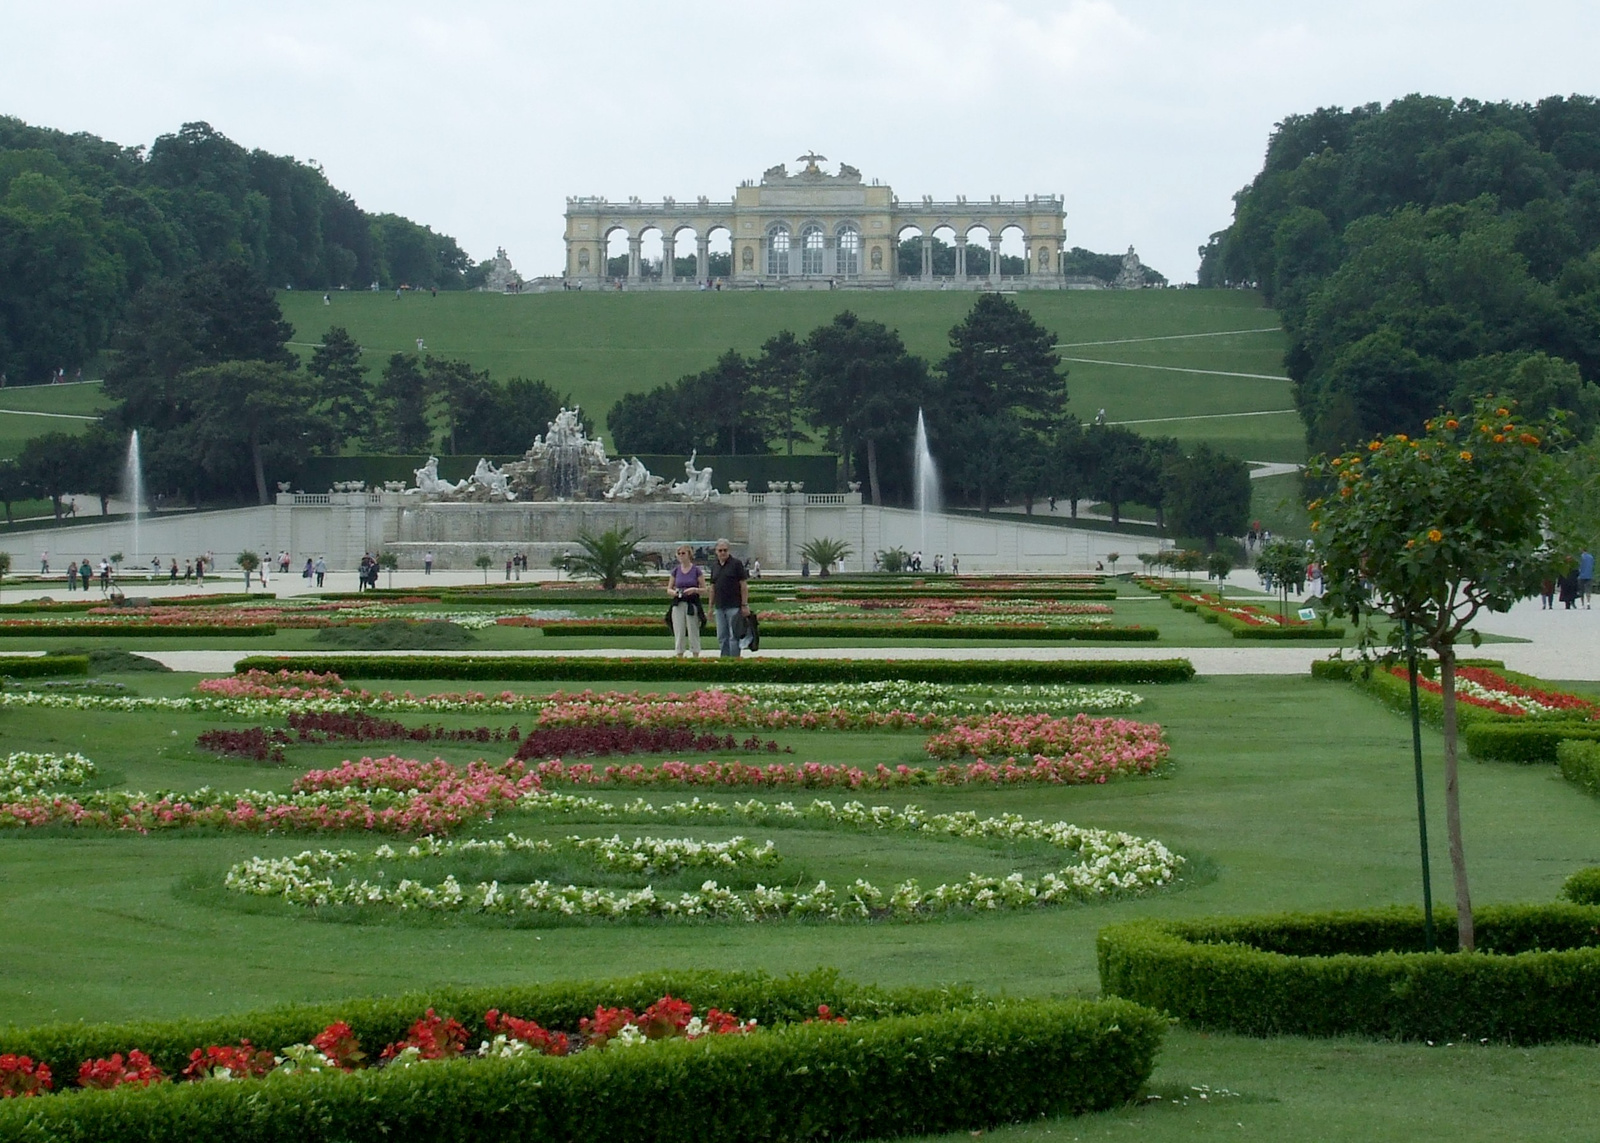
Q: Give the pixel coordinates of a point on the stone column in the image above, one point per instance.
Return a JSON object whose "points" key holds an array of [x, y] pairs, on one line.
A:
{"points": [[633, 258], [994, 261], [669, 251], [927, 257], [702, 257], [961, 257], [1027, 256]]}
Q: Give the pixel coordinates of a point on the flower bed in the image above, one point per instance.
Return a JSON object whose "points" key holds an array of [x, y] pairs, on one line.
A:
{"points": [[918, 1061], [1109, 863], [778, 626], [752, 670], [1089, 749], [1364, 974], [1248, 621], [23, 773]]}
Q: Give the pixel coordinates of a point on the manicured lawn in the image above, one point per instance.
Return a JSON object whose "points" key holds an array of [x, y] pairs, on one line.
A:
{"points": [[1286, 794]]}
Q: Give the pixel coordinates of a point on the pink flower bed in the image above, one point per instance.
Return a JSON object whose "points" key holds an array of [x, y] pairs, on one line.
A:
{"points": [[1077, 749], [712, 709]]}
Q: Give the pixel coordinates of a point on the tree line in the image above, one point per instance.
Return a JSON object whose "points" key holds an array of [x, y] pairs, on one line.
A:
{"points": [[1424, 252], [201, 366], [995, 408], [85, 223]]}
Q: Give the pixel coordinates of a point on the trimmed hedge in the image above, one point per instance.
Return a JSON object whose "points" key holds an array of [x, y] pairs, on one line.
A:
{"points": [[1526, 740], [1583, 887], [36, 606], [222, 598], [751, 670], [954, 591], [1534, 979], [42, 666], [1239, 629], [1580, 762], [907, 1063], [137, 630], [866, 629]]}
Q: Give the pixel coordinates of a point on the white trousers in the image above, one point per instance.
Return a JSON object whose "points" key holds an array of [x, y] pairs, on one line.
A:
{"points": [[684, 625]]}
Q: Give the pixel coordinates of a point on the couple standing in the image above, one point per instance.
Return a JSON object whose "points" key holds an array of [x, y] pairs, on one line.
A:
{"points": [[730, 600]]}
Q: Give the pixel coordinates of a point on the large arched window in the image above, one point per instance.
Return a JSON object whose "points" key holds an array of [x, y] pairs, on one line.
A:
{"points": [[777, 250], [811, 250], [847, 259]]}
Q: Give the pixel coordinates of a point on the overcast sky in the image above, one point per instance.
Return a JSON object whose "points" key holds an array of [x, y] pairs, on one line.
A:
{"points": [[479, 118]]}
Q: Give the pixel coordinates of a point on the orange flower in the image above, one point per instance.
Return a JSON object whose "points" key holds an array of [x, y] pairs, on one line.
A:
{"points": [[1452, 423], [1528, 439], [1402, 437], [1345, 491], [1435, 535], [1375, 446], [1499, 438], [1316, 525], [1503, 412], [1508, 428], [1314, 505], [1411, 543], [1466, 455], [1337, 461]]}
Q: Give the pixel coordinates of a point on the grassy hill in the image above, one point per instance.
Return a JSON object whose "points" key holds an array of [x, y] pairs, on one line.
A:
{"points": [[599, 345], [71, 408]]}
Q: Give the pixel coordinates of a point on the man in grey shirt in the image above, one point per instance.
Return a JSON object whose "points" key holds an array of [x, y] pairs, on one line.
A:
{"points": [[730, 597]]}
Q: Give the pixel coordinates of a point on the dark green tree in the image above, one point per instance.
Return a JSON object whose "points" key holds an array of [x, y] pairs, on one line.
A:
{"points": [[460, 396], [342, 383], [51, 465], [260, 413], [401, 412], [1206, 494], [523, 409], [779, 383], [1121, 467], [1002, 359], [862, 387], [14, 485]]}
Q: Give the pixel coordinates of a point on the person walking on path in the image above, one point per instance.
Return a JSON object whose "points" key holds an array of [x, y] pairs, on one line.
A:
{"points": [[1567, 586], [427, 562], [684, 584], [1585, 575], [730, 598], [321, 569]]}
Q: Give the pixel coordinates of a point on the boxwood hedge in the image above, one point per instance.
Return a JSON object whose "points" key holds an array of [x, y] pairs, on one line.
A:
{"points": [[976, 672], [1583, 887], [137, 630], [42, 666], [906, 1063], [775, 627], [1242, 630], [1533, 980], [1525, 740], [1580, 762]]}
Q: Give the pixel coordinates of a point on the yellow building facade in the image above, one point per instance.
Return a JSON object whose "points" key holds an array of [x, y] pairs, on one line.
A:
{"points": [[813, 229]]}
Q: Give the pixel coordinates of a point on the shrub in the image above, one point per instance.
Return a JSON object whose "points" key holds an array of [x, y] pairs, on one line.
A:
{"points": [[137, 630], [1363, 973], [907, 1062], [750, 670], [1583, 887], [1580, 762], [42, 666], [397, 635], [1524, 740]]}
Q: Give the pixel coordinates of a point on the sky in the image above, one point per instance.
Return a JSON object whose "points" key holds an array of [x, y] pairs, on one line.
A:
{"points": [[479, 118]]}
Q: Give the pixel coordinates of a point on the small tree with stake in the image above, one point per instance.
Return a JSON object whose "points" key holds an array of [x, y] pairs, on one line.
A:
{"points": [[1434, 531], [388, 561], [1284, 563], [485, 562], [249, 561]]}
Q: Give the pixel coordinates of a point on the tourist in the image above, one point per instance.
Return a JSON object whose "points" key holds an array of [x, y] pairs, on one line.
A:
{"points": [[105, 574], [283, 562], [427, 562], [938, 563], [1547, 594], [805, 566], [200, 570], [326, 300], [72, 576], [321, 569], [44, 562], [84, 572], [955, 564], [509, 561], [307, 571], [172, 572], [730, 598], [687, 614], [188, 571], [1585, 575], [155, 566], [1567, 587], [755, 569]]}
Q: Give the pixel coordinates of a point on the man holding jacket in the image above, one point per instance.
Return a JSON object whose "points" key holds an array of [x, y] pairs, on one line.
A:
{"points": [[730, 597]]}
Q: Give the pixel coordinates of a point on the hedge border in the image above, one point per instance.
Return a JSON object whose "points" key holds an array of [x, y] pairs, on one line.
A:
{"points": [[749, 670], [137, 630], [866, 629], [1363, 973], [42, 666], [1579, 761], [941, 1062], [1242, 630]]}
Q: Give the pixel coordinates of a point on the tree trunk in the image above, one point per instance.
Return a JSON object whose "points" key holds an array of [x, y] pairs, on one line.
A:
{"points": [[1074, 500], [872, 471], [1116, 511], [105, 504], [1452, 799], [261, 472], [55, 502]]}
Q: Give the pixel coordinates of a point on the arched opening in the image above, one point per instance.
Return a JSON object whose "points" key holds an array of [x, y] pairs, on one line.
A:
{"points": [[684, 244], [944, 252], [1013, 252], [978, 252], [847, 250], [616, 252], [908, 252], [650, 252], [719, 252], [812, 245], [778, 250]]}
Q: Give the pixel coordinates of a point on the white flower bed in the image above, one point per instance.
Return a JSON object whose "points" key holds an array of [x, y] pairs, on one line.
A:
{"points": [[23, 773], [1109, 863]]}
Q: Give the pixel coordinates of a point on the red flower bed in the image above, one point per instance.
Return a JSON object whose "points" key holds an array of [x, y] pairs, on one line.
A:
{"points": [[1488, 690], [580, 741], [21, 1077], [116, 1071]]}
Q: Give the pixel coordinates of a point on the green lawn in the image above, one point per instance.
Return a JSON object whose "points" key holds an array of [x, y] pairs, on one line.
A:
{"points": [[73, 401], [598, 346], [1287, 793]]}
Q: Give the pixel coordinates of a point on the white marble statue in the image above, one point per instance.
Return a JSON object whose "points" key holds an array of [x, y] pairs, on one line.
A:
{"points": [[696, 484], [492, 480], [428, 482]]}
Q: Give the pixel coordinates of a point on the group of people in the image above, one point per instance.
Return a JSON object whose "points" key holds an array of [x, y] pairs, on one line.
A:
{"points": [[1573, 588], [366, 573], [727, 582], [516, 564]]}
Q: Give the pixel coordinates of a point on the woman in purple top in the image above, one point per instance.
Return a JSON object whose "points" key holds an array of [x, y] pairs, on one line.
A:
{"points": [[683, 585]]}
